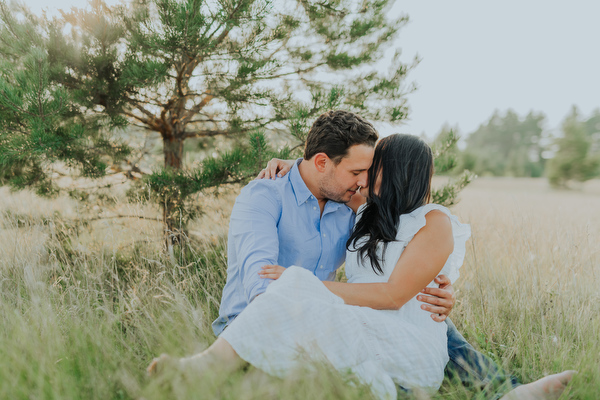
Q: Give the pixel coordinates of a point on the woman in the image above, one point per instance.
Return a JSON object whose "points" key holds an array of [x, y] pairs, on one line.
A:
{"points": [[373, 324]]}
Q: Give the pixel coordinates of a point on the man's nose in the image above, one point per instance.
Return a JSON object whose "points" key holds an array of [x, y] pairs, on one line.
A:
{"points": [[363, 179]]}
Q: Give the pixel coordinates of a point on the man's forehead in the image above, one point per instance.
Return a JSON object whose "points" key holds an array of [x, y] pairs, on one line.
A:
{"points": [[359, 157]]}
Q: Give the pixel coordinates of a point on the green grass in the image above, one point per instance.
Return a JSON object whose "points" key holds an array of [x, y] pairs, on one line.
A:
{"points": [[81, 317], [85, 325]]}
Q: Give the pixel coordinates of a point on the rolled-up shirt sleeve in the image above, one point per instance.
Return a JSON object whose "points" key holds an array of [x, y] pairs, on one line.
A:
{"points": [[253, 230]]}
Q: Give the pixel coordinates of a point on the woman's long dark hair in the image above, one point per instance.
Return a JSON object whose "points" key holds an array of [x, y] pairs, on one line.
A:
{"points": [[406, 166]]}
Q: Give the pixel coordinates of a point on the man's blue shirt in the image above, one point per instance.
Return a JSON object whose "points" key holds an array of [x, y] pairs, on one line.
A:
{"points": [[279, 222]]}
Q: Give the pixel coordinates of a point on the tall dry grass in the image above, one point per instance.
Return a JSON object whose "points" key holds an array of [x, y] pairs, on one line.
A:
{"points": [[529, 294], [85, 307]]}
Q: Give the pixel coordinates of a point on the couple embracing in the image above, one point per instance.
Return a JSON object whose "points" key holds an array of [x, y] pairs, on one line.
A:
{"points": [[366, 203]]}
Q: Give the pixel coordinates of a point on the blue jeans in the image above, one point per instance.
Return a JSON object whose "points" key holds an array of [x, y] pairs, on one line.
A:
{"points": [[474, 369]]}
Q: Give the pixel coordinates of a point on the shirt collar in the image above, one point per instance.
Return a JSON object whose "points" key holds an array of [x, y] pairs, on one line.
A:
{"points": [[301, 190], [332, 206], [298, 186]]}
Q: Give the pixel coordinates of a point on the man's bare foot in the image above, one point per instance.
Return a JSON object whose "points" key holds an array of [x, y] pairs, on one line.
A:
{"points": [[163, 363], [547, 388]]}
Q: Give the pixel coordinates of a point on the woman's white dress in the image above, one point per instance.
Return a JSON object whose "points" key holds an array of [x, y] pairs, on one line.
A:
{"points": [[298, 317]]}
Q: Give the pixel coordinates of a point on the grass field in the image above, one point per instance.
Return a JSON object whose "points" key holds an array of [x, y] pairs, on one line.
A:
{"points": [[84, 307]]}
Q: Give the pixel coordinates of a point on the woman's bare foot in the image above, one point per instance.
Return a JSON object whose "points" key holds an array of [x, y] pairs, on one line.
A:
{"points": [[194, 365], [547, 388], [163, 363], [219, 356]]}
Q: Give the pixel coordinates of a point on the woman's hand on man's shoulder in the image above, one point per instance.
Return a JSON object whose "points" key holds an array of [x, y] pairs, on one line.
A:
{"points": [[276, 168]]}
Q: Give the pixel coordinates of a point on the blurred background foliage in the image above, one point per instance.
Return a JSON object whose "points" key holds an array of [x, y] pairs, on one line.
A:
{"points": [[522, 146]]}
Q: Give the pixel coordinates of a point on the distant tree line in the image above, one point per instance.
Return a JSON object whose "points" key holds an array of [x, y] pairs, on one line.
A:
{"points": [[512, 145]]}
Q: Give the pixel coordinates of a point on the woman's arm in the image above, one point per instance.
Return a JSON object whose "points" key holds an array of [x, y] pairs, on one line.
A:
{"points": [[420, 262]]}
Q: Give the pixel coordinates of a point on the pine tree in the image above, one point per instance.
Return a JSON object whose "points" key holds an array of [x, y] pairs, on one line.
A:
{"points": [[41, 126], [200, 69], [446, 155], [193, 68]]}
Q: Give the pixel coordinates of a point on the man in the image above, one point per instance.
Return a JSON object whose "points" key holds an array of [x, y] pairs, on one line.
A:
{"points": [[301, 219]]}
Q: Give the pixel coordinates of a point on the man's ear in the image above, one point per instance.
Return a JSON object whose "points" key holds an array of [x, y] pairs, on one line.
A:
{"points": [[320, 161]]}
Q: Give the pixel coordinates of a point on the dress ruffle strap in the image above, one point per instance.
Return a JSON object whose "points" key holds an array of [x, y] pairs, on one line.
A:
{"points": [[412, 223]]}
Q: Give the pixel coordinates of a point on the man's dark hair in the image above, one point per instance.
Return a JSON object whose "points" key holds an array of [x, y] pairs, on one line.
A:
{"points": [[334, 132]]}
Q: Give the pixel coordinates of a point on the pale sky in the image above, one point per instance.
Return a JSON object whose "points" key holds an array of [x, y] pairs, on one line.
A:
{"points": [[482, 55]]}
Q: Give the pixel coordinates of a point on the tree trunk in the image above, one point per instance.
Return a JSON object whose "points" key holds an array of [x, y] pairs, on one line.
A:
{"points": [[173, 153]]}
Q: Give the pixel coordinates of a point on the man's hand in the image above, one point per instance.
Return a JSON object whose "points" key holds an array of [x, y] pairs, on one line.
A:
{"points": [[440, 301], [276, 168], [271, 271]]}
